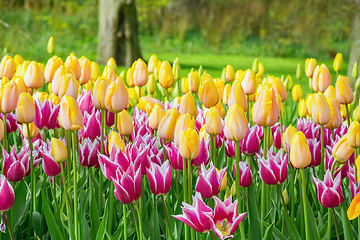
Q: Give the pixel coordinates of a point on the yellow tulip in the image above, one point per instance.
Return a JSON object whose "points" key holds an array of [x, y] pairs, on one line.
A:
{"points": [[73, 63], [111, 62], [236, 124], [229, 73], [109, 73], [320, 111], [220, 85], [115, 141], [338, 62], [297, 93], [55, 99], [183, 122], [42, 96], [356, 114], [321, 78], [88, 86], [220, 108], [100, 88], [167, 124], [129, 77], [299, 72], [300, 155], [310, 65], [203, 134], [56, 81], [354, 208], [208, 94], [344, 93], [140, 73], [188, 105], [287, 136], [152, 63], [50, 45], [238, 74], [144, 102], [330, 92], [176, 69], [68, 86], [51, 66], [151, 84], [7, 67], [70, 116], [166, 77], [116, 96], [155, 116], [248, 82], [124, 123], [226, 94], [335, 119], [265, 110], [33, 76], [193, 79], [95, 70], [279, 104], [185, 85], [237, 95], [278, 87], [213, 123], [10, 97], [25, 108], [1, 129], [261, 70], [58, 150], [302, 108], [189, 146], [85, 66], [342, 150], [18, 60], [21, 69], [353, 135], [34, 130]]}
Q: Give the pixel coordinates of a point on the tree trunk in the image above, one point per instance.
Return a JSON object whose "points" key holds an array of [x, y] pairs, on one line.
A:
{"points": [[355, 44], [118, 32]]}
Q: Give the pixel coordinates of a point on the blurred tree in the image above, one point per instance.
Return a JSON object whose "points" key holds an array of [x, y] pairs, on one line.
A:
{"points": [[118, 32], [355, 43]]}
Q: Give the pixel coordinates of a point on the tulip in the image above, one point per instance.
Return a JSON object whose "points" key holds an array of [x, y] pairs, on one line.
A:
{"points": [[73, 63], [220, 87], [184, 122], [100, 89], [276, 135], [213, 123], [56, 81], [185, 85], [248, 82], [353, 135], [167, 124], [10, 94], [208, 94], [34, 131], [204, 154], [116, 96], [341, 150], [188, 105], [46, 114], [278, 87], [335, 119], [7, 67], [287, 136], [237, 95], [320, 111], [7, 194], [273, 170], [265, 110], [344, 93], [176, 69], [42, 96], [152, 63], [236, 124], [354, 211], [112, 63], [296, 93], [338, 62], [85, 66], [88, 153], [51, 66], [166, 77], [70, 116], [116, 142], [321, 79], [330, 92], [173, 154], [18, 60], [209, 181], [25, 109], [148, 102], [1, 129], [68, 86], [193, 81], [124, 123], [310, 65], [300, 155], [95, 70], [50, 45], [226, 94], [238, 74], [279, 104], [151, 84], [159, 178], [140, 73], [302, 108], [33, 77], [92, 126], [251, 143], [288, 83], [299, 72], [245, 175], [329, 191], [309, 103], [11, 122], [315, 150], [58, 150], [261, 70], [155, 116], [189, 145]]}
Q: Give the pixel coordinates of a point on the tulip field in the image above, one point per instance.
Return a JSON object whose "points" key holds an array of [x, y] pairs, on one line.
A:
{"points": [[153, 152]]}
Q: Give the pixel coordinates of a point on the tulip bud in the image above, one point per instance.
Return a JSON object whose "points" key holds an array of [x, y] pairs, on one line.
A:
{"points": [[70, 116], [152, 63], [167, 124], [226, 93], [335, 119], [288, 83], [223, 182], [58, 150], [10, 94], [116, 96], [193, 80], [297, 93], [112, 63], [188, 105], [357, 84], [155, 116], [166, 77], [261, 70], [237, 95], [321, 78], [236, 124], [302, 108], [310, 65], [85, 66], [220, 87], [110, 74], [183, 122], [353, 136], [355, 71], [21, 84], [189, 145], [176, 69], [7, 194], [115, 141], [344, 93], [151, 84], [95, 70], [342, 150], [68, 86], [233, 189], [320, 111], [228, 192], [229, 73], [124, 123], [287, 136], [213, 123], [265, 110], [18, 60], [51, 66], [50, 45], [338, 62], [300, 155], [238, 74], [185, 85], [208, 94], [140, 73], [299, 72], [7, 67], [255, 66], [25, 108], [73, 63], [330, 92], [278, 87], [248, 82], [33, 76], [100, 88], [285, 196], [34, 131]]}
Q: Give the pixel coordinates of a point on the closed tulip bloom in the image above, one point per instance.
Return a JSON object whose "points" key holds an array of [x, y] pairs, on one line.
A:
{"points": [[100, 89], [19, 60], [167, 124], [344, 93], [188, 105], [116, 142], [220, 108], [335, 119], [273, 169], [152, 63], [193, 79], [213, 123], [237, 95], [34, 131], [151, 84], [46, 114], [299, 72], [330, 92], [297, 93], [58, 150], [261, 70], [140, 73], [288, 83], [25, 109], [70, 116], [302, 108], [109, 73], [148, 102], [279, 104], [208, 93], [248, 82], [338, 62], [342, 150], [287, 136], [310, 65], [185, 85], [300, 155], [50, 45], [159, 178], [229, 73], [220, 85], [321, 79], [265, 110], [85, 66], [68, 86], [10, 94], [21, 69], [73, 63], [209, 181], [353, 135], [7, 194], [21, 84], [245, 175], [189, 144], [204, 154], [226, 94], [278, 87], [166, 77], [33, 76], [320, 112], [309, 103], [183, 122], [42, 96], [250, 144], [116, 95], [7, 67], [155, 116], [51, 66], [88, 153], [236, 124], [95, 70], [238, 74], [176, 69], [124, 123], [55, 85], [129, 77], [111, 62]]}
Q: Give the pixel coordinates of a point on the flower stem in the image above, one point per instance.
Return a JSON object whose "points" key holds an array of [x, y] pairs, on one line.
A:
{"points": [[103, 125], [75, 184], [140, 224], [125, 221], [292, 195], [329, 224], [135, 220], [9, 226], [263, 187], [213, 235], [248, 109], [177, 183], [237, 155], [347, 114], [284, 204], [336, 226], [5, 140], [212, 152], [111, 215], [189, 181], [307, 233], [115, 124], [185, 196], [68, 159], [155, 214], [166, 214]]}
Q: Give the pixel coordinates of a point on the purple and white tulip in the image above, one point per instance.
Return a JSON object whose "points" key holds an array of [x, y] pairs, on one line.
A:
{"points": [[88, 153], [159, 178], [209, 181], [7, 194], [245, 175], [274, 169], [46, 114]]}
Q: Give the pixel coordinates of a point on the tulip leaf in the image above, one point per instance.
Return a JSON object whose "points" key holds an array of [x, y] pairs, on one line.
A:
{"points": [[101, 231], [50, 220], [37, 222], [268, 233], [94, 214], [20, 204], [254, 222], [348, 234], [312, 227], [221, 158]]}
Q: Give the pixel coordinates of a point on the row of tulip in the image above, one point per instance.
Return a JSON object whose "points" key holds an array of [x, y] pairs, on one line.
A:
{"points": [[220, 160]]}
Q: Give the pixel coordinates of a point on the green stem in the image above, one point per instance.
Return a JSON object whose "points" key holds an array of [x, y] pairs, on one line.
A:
{"points": [[33, 181], [329, 224], [5, 140], [115, 123], [177, 183], [212, 150], [68, 159], [67, 199], [9, 226], [189, 182], [111, 215], [125, 221], [75, 184], [135, 220], [347, 115], [140, 224], [103, 125], [238, 156], [248, 109], [166, 214], [336, 226], [185, 196], [263, 187], [322, 165], [215, 150], [292, 196], [155, 214], [307, 232]]}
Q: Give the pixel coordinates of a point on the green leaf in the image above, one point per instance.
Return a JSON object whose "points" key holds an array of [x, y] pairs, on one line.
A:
{"points": [[94, 214], [101, 232], [268, 232], [312, 226], [37, 223], [254, 220], [50, 220], [20, 204], [346, 223]]}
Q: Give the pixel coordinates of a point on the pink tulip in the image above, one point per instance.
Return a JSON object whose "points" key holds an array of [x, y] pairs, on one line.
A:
{"points": [[244, 173], [155, 156], [11, 122], [110, 118], [276, 134], [50, 166], [92, 126], [85, 102], [204, 154], [274, 169], [251, 143], [7, 194], [230, 148], [159, 178], [329, 191], [127, 184], [46, 114], [315, 150], [173, 154], [109, 165], [88, 153], [209, 181]]}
